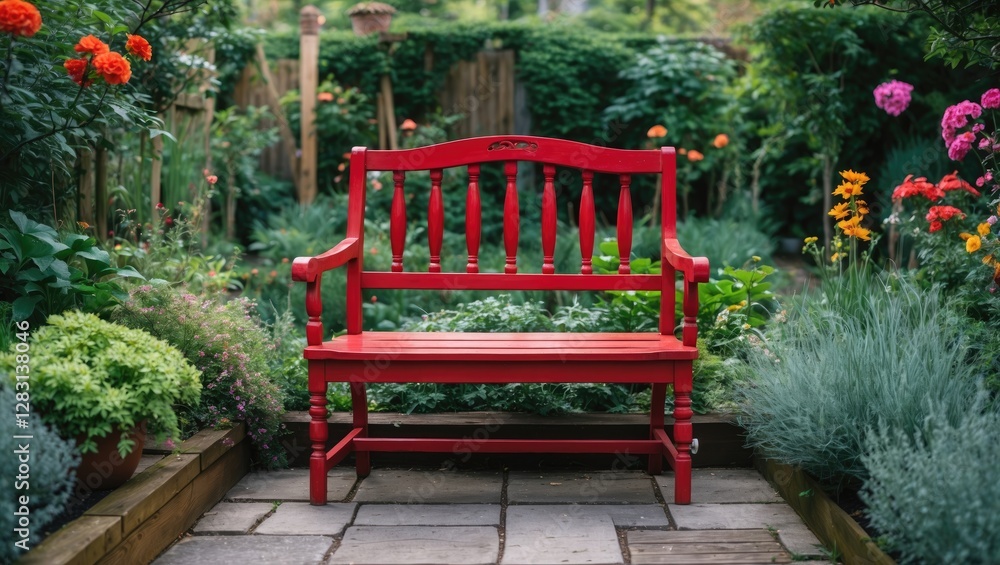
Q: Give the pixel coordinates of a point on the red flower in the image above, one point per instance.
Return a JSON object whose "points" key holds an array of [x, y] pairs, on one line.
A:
{"points": [[952, 182], [76, 69], [19, 18], [139, 47], [917, 186], [92, 45], [938, 214], [114, 68]]}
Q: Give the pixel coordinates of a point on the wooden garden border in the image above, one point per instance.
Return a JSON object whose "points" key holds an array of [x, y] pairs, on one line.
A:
{"points": [[140, 519], [831, 524]]}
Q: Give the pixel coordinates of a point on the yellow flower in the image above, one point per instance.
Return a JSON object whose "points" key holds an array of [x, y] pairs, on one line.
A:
{"points": [[857, 178], [851, 223], [964, 236], [746, 326], [973, 244], [841, 211], [755, 258], [809, 240], [862, 207], [847, 189], [989, 260], [858, 232], [733, 307], [983, 229], [835, 257]]}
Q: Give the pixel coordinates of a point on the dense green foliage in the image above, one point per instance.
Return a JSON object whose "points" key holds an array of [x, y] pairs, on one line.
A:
{"points": [[89, 376], [45, 272]]}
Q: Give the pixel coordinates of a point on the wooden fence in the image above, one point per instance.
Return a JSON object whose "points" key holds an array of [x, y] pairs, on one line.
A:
{"points": [[481, 90]]}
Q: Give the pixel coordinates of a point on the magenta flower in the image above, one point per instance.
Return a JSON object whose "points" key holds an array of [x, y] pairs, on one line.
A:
{"points": [[960, 147], [956, 117], [893, 96], [991, 98]]}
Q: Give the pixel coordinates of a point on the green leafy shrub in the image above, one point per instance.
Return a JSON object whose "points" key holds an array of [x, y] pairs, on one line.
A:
{"points": [[726, 242], [935, 496], [46, 273], [89, 376], [226, 342], [493, 314], [833, 373], [53, 461]]}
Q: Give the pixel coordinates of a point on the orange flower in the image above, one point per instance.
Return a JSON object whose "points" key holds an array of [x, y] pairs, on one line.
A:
{"points": [[113, 68], [19, 17], [76, 69], [656, 132], [92, 45], [325, 97], [721, 141], [408, 125], [682, 151], [139, 47], [694, 155]]}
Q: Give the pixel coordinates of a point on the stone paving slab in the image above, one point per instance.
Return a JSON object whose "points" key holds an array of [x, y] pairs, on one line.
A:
{"points": [[559, 534], [428, 515], [710, 486], [290, 485], [431, 487], [622, 487], [416, 545], [303, 519], [226, 550], [232, 517], [792, 532]]}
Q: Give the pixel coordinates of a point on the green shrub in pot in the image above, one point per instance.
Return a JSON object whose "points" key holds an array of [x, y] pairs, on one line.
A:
{"points": [[89, 376]]}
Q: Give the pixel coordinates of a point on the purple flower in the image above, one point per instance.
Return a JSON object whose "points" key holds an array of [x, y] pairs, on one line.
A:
{"points": [[992, 220], [893, 96], [991, 98]]}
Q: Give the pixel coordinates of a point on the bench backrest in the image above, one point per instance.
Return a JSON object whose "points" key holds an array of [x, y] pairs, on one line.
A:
{"points": [[471, 153]]}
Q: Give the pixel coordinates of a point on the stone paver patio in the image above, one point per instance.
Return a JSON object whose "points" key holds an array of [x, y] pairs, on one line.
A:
{"points": [[421, 516]]}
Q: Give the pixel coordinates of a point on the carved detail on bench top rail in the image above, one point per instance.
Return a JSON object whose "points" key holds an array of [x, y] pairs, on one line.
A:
{"points": [[514, 145]]}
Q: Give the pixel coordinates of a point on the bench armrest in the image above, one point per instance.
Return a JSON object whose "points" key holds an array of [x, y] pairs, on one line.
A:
{"points": [[695, 269], [307, 269]]}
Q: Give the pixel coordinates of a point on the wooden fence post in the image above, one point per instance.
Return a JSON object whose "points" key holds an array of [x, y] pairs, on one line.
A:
{"points": [[308, 79], [101, 191], [85, 195]]}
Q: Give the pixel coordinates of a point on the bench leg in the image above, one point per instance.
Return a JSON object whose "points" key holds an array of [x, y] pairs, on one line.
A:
{"points": [[317, 435], [359, 406], [657, 400], [683, 434]]}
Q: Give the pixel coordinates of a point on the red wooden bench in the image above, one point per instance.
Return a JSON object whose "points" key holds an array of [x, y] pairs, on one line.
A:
{"points": [[361, 357]]}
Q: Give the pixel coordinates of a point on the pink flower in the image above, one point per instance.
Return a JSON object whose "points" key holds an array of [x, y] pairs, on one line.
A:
{"points": [[984, 143], [991, 98], [992, 220], [893, 96], [956, 117], [960, 147]]}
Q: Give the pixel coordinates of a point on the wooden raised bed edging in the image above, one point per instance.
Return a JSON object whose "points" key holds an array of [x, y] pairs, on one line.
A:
{"points": [[140, 519], [831, 524]]}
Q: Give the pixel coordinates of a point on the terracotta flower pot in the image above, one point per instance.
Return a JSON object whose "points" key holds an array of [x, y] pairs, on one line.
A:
{"points": [[370, 17], [105, 469]]}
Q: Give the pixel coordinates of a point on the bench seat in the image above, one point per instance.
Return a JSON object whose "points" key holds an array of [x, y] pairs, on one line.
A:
{"points": [[507, 348]]}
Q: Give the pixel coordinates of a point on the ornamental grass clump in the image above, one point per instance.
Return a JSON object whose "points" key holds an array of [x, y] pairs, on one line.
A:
{"points": [[49, 486], [867, 357], [935, 496], [230, 347]]}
